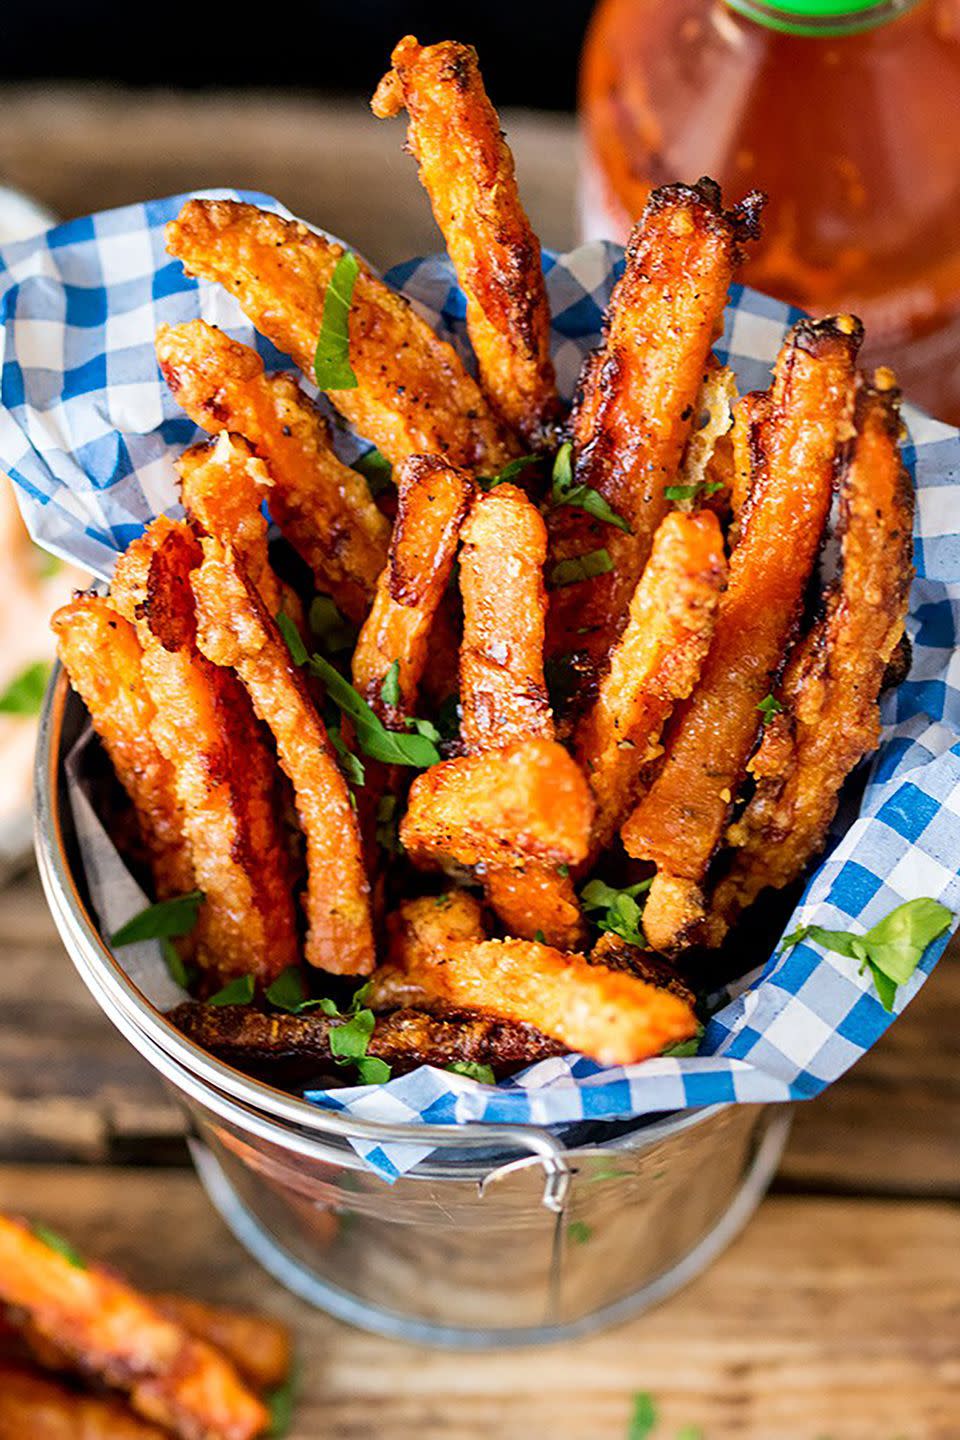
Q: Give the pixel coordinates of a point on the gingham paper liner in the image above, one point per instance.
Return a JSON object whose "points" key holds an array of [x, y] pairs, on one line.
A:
{"points": [[88, 430]]}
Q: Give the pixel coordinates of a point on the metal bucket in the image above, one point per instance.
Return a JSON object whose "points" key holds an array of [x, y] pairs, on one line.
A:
{"points": [[505, 1235]]}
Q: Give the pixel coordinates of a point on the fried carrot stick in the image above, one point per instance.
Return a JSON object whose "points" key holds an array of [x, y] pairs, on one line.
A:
{"points": [[235, 630], [324, 508], [680, 820], [527, 801], [655, 663], [102, 655], [33, 1407], [413, 395], [259, 1348], [503, 693], [108, 1329], [537, 899], [433, 501], [830, 717], [638, 400], [224, 773], [609, 1015], [222, 484], [467, 171]]}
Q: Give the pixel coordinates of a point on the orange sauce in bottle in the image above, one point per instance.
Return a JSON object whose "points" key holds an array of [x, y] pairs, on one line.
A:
{"points": [[849, 121]]}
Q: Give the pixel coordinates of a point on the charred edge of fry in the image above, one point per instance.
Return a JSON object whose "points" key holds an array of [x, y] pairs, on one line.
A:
{"points": [[742, 221], [616, 954]]}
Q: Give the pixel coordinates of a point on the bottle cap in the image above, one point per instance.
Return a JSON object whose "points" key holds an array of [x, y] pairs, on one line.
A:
{"points": [[818, 16]]}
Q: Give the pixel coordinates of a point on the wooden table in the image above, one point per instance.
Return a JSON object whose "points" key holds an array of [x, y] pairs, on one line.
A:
{"points": [[836, 1314]]}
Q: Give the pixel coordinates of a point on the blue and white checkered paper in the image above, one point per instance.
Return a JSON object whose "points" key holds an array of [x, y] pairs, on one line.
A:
{"points": [[88, 433]]}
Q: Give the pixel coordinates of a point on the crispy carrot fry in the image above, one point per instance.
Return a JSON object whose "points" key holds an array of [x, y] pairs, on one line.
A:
{"points": [[674, 910], [503, 694], [829, 692], [224, 772], [259, 1348], [433, 501], [611, 1016], [749, 415], [102, 656], [655, 663], [528, 801], [680, 820], [537, 901], [467, 170], [324, 508], [106, 1328], [235, 630], [413, 395], [638, 400], [428, 923], [222, 484], [714, 405], [617, 954], [33, 1407]]}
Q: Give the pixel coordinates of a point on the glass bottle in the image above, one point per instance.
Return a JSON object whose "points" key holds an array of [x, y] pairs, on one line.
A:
{"points": [[846, 112]]}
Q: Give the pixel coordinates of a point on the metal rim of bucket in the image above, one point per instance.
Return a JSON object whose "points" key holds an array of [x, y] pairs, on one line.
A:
{"points": [[274, 1115]]}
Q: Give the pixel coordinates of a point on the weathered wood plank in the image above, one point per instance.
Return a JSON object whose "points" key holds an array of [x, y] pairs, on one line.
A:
{"points": [[828, 1317]]}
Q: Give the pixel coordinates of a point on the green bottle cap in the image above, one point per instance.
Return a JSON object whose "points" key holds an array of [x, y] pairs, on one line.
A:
{"points": [[819, 17]]}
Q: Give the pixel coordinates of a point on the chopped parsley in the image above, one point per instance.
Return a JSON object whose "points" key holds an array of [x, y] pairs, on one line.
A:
{"points": [[891, 950], [579, 1232], [769, 706], [62, 1247], [24, 695], [643, 1417], [616, 911], [510, 472], [581, 567], [375, 469], [563, 491], [236, 992], [333, 631], [683, 1049], [179, 971], [331, 362], [390, 686], [473, 1071], [280, 1403], [166, 920], [685, 495], [290, 633], [388, 824]]}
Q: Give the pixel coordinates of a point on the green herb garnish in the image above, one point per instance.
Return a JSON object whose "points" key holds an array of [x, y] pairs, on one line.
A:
{"points": [[684, 495], [390, 686], [388, 824], [510, 472], [563, 491], [579, 1232], [448, 718], [581, 567], [166, 920], [891, 950], [473, 1071], [350, 764], [179, 971], [616, 911], [643, 1417], [331, 362], [62, 1247], [334, 631], [290, 633], [683, 1049], [289, 992], [375, 469], [280, 1403], [24, 695], [236, 992], [374, 739], [769, 706]]}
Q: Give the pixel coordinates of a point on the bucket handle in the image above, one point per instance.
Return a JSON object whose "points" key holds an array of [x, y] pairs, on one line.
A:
{"points": [[547, 1151]]}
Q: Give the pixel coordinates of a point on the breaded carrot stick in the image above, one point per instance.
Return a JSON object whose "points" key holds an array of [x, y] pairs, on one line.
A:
{"points": [[222, 484], [324, 508], [102, 656], [537, 899], [527, 801], [680, 820], [830, 717], [467, 171], [235, 630], [609, 1015], [259, 1348], [107, 1329], [33, 1407], [413, 395], [655, 663], [502, 690], [638, 400], [433, 501], [224, 772]]}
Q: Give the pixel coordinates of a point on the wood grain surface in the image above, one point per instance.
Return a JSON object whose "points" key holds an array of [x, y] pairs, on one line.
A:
{"points": [[835, 1317]]}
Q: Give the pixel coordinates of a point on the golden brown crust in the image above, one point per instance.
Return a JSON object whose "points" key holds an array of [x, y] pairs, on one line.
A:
{"points": [[467, 171], [102, 655], [33, 1407], [637, 402], [680, 820], [236, 631], [108, 1329], [260, 1349], [503, 695], [655, 663], [538, 902], [324, 508], [831, 686], [528, 801], [609, 1015], [413, 395], [224, 771], [433, 500]]}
